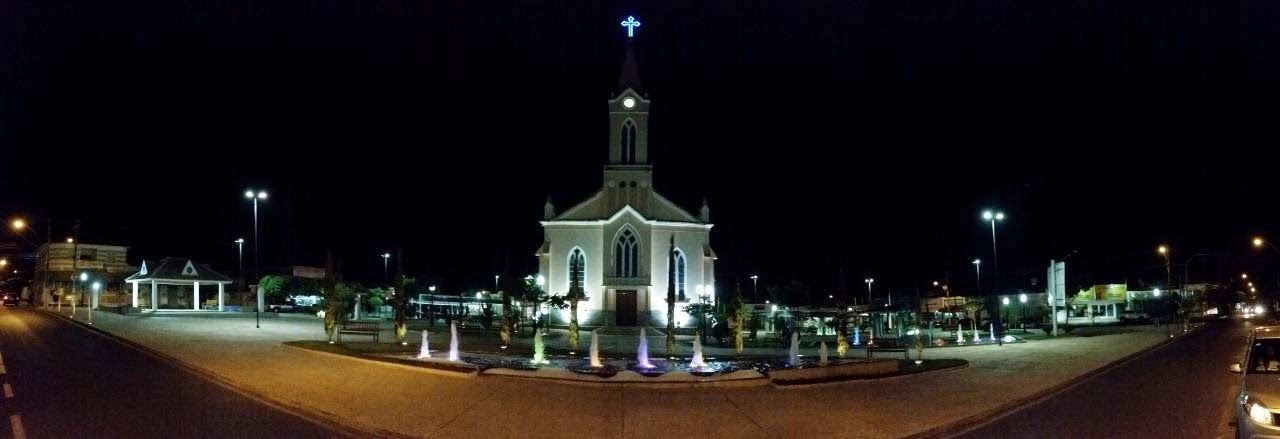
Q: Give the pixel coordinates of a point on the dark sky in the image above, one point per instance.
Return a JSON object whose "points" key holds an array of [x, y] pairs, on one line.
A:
{"points": [[868, 134]]}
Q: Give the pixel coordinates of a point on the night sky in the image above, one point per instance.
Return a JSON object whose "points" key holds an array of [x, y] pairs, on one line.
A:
{"points": [[862, 134]]}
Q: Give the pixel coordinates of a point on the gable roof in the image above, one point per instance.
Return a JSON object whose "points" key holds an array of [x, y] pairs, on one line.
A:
{"points": [[596, 208], [178, 269]]}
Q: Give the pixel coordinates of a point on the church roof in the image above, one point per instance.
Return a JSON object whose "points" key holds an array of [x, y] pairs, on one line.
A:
{"points": [[658, 208]]}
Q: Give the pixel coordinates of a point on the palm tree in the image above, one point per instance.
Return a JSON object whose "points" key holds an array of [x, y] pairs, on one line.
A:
{"points": [[574, 294], [671, 298], [400, 301]]}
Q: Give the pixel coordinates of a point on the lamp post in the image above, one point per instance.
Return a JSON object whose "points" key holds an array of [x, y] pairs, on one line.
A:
{"points": [[869, 281], [18, 225], [257, 250], [431, 317], [993, 217], [1168, 278], [977, 271], [1022, 308], [386, 258], [755, 287], [240, 260], [93, 300]]}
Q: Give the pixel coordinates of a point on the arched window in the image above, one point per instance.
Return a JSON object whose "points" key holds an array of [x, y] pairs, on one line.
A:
{"points": [[577, 269], [681, 275], [626, 254], [628, 139]]}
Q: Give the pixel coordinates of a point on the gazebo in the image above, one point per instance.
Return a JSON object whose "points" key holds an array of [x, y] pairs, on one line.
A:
{"points": [[175, 283]]}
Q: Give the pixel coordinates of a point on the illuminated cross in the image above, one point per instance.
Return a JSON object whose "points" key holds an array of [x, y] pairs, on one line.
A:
{"points": [[631, 24]]}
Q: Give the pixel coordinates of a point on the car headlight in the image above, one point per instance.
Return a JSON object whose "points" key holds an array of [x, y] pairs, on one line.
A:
{"points": [[1260, 414]]}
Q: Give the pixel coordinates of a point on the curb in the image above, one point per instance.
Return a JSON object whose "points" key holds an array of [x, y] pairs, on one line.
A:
{"points": [[320, 418], [870, 380], [1006, 409], [425, 369]]}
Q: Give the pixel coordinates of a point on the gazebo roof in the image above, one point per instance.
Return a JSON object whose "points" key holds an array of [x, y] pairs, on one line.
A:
{"points": [[177, 269]]}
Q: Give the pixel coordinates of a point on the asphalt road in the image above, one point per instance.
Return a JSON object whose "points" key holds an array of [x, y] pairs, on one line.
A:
{"points": [[1182, 390], [62, 381]]}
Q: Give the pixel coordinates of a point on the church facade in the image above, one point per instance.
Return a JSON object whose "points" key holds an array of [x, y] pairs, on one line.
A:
{"points": [[623, 245]]}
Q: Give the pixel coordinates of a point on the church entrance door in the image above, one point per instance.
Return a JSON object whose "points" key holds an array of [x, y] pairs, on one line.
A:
{"points": [[626, 309]]}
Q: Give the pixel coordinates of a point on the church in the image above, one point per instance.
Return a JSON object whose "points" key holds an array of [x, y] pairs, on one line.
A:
{"points": [[618, 245]]}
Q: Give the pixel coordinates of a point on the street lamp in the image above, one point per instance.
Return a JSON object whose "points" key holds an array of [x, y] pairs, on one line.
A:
{"points": [[755, 286], [869, 281], [386, 257], [257, 248], [995, 254], [977, 272], [93, 300], [1022, 310], [240, 260]]}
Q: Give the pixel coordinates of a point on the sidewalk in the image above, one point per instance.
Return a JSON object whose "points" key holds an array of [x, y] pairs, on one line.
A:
{"points": [[395, 401]]}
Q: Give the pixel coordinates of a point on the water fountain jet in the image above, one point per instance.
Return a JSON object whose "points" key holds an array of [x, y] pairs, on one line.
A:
{"points": [[642, 352], [424, 352], [595, 348], [697, 363], [453, 342]]}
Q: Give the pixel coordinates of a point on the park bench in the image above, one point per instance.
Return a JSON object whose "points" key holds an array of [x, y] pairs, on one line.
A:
{"points": [[364, 328]]}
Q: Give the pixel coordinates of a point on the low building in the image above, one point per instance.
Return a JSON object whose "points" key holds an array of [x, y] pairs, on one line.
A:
{"points": [[59, 266]]}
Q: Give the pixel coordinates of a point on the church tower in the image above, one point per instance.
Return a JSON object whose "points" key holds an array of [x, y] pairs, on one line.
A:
{"points": [[628, 175]]}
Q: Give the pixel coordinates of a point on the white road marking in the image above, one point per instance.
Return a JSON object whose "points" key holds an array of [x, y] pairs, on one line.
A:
{"points": [[15, 421], [8, 391]]}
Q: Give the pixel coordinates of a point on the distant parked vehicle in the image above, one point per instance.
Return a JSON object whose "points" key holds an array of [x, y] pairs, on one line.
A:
{"points": [[11, 298], [1134, 316]]}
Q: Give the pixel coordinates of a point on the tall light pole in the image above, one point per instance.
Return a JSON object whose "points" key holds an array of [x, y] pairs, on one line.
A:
{"points": [[240, 260], [18, 225], [977, 271], [257, 249], [995, 253], [93, 299], [993, 217], [386, 258], [755, 287], [1168, 277], [869, 281]]}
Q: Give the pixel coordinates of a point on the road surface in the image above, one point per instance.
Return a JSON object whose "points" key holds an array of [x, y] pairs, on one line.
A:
{"points": [[1182, 390], [63, 381]]}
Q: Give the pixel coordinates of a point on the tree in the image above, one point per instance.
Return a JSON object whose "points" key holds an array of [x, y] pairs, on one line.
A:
{"points": [[842, 330], [303, 286], [333, 303], [737, 319], [971, 308], [400, 301], [274, 285], [671, 298]]}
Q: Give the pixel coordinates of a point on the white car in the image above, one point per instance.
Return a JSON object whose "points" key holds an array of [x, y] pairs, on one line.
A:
{"points": [[1258, 404]]}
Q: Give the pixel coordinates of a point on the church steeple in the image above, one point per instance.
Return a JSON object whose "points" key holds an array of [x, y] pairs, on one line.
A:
{"points": [[630, 77], [628, 176], [629, 117]]}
